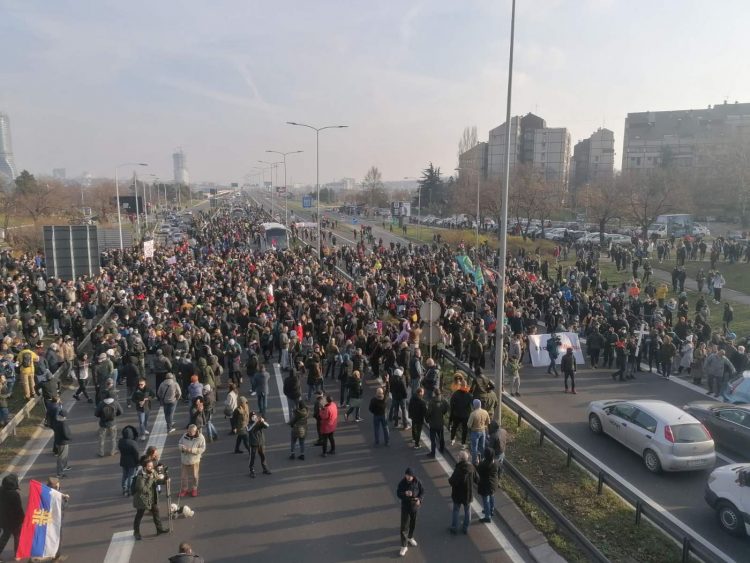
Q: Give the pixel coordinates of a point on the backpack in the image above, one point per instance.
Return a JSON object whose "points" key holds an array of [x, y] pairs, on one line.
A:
{"points": [[26, 360], [430, 379], [108, 412]]}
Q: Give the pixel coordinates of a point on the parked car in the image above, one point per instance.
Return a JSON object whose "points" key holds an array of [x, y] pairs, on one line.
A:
{"points": [[666, 437], [737, 391], [729, 425], [701, 230], [728, 493]]}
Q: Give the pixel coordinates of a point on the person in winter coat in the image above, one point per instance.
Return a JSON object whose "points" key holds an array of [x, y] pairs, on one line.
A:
{"points": [[141, 398], [129, 456], [355, 396], [411, 493], [195, 389], [260, 385], [460, 409], [479, 421], [436, 410], [240, 422], [462, 482], [496, 440], [666, 355], [487, 471], [230, 403], [186, 555], [292, 389], [417, 414], [62, 441], [82, 371], [329, 418], [129, 373], [162, 366], [146, 498], [258, 443], [11, 511], [107, 412], [568, 367], [192, 444], [199, 415], [298, 422], [398, 398], [377, 409], [169, 393]]}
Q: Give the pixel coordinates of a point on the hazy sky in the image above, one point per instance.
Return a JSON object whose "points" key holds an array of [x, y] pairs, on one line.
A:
{"points": [[91, 84]]}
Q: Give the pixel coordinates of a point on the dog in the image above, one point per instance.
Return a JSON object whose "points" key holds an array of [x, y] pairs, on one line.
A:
{"points": [[181, 511]]}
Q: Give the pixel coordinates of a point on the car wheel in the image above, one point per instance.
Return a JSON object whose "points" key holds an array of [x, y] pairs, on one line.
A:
{"points": [[651, 460], [730, 518], [595, 423]]}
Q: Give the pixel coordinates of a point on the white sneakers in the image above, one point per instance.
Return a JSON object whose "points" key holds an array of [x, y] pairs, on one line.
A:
{"points": [[412, 542], [403, 551]]}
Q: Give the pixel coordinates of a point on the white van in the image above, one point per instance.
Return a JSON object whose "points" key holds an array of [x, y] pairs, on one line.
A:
{"points": [[728, 492]]}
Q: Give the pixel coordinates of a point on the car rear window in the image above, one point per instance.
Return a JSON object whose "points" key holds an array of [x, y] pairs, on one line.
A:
{"points": [[689, 433]]}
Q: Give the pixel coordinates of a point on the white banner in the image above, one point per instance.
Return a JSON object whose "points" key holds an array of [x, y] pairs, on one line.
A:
{"points": [[538, 348], [148, 248]]}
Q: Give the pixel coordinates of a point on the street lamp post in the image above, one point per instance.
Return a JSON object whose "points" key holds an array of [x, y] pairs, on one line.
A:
{"points": [[317, 165], [499, 325], [117, 195], [286, 196], [479, 178], [272, 168]]}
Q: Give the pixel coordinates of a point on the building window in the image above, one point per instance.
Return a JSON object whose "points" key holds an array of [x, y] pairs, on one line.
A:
{"points": [[638, 161]]}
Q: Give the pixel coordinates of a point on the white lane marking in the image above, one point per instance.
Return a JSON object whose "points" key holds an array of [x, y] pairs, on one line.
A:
{"points": [[122, 543], [282, 397], [26, 458], [499, 536], [636, 491], [726, 459], [120, 548]]}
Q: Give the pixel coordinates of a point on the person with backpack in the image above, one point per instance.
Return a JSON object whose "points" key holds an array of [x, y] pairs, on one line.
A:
{"points": [[107, 412], [129, 456], [169, 393], [553, 350], [436, 410], [431, 380], [26, 359], [292, 388], [496, 440]]}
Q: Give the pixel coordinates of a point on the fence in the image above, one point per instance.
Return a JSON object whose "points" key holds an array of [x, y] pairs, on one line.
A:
{"points": [[10, 428], [665, 522]]}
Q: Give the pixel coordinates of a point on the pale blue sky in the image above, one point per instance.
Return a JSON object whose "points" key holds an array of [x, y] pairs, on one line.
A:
{"points": [[90, 84]]}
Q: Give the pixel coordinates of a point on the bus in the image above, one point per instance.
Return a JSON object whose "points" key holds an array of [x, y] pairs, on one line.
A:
{"points": [[274, 236]]}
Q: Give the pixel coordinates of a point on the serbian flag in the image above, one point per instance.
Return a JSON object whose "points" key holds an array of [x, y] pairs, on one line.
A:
{"points": [[40, 533]]}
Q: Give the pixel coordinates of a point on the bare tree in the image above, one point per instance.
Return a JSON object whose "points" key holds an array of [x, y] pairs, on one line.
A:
{"points": [[605, 201], [468, 140], [373, 187], [651, 194]]}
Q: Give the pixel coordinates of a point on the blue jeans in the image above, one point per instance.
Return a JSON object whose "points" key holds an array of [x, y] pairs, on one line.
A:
{"points": [[262, 403], [4, 415], [477, 445], [169, 414], [398, 405], [437, 439], [301, 442], [128, 473], [488, 502], [378, 422], [467, 516], [314, 388], [10, 383], [143, 421]]}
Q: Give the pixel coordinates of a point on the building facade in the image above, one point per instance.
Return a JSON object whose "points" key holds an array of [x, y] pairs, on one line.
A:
{"points": [[7, 164], [683, 138], [593, 158], [552, 156], [475, 159], [179, 160]]}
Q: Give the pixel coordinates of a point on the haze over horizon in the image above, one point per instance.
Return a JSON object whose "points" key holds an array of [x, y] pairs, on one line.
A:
{"points": [[90, 85]]}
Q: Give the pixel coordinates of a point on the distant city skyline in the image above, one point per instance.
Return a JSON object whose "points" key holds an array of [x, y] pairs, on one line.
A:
{"points": [[89, 86]]}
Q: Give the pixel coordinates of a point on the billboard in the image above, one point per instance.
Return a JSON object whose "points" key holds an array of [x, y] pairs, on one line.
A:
{"points": [[71, 251], [128, 203], [400, 209]]}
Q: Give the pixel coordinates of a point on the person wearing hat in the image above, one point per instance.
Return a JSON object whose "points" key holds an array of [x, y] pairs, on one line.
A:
{"points": [[398, 398], [479, 421], [26, 359], [411, 493], [62, 441]]}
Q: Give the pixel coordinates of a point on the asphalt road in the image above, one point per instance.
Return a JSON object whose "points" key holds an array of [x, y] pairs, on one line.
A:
{"points": [[340, 508], [681, 493]]}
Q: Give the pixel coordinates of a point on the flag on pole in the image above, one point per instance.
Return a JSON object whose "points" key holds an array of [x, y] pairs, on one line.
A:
{"points": [[40, 532]]}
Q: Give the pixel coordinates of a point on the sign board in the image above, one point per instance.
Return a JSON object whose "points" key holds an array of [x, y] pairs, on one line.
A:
{"points": [[307, 201], [71, 251], [110, 238], [148, 248], [235, 185], [538, 348], [128, 204], [430, 311], [400, 209], [281, 190]]}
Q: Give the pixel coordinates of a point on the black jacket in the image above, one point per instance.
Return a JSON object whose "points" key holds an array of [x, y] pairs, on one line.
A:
{"points": [[461, 404], [377, 406], [568, 363], [11, 508], [488, 480], [61, 429], [292, 388], [417, 492], [398, 388], [417, 410], [128, 446], [462, 482]]}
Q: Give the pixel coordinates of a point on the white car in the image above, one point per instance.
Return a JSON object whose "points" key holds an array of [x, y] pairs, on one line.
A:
{"points": [[666, 437], [701, 230], [728, 493]]}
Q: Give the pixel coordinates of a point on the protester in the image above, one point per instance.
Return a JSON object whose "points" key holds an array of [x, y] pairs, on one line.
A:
{"points": [[411, 493], [298, 422], [488, 471], [379, 421], [192, 444], [146, 498], [329, 417], [11, 511], [436, 411], [62, 439], [107, 411], [257, 443], [462, 482], [129, 457]]}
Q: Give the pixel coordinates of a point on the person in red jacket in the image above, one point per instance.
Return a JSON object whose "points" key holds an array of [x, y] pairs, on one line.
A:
{"points": [[329, 419]]}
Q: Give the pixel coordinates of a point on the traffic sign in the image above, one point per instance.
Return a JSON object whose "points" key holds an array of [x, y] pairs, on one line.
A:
{"points": [[307, 201]]}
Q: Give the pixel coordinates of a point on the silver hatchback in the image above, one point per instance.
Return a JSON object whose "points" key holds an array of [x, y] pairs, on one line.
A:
{"points": [[668, 438]]}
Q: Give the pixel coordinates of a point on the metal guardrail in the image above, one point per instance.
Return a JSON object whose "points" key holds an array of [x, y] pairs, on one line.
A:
{"points": [[666, 523], [18, 418]]}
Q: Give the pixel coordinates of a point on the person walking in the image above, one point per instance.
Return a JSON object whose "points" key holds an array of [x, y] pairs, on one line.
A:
{"points": [[129, 457], [488, 474], [377, 409], [240, 422], [496, 439], [417, 414], [479, 421], [107, 412], [298, 422], [260, 384], [5, 394], [192, 444], [230, 403], [411, 493], [329, 418], [82, 371], [146, 498], [62, 441], [553, 350], [667, 353], [26, 359], [460, 409], [355, 396], [169, 393], [568, 366], [141, 398], [514, 372], [257, 443], [11, 511], [436, 410], [162, 366], [462, 482], [292, 389], [398, 398]]}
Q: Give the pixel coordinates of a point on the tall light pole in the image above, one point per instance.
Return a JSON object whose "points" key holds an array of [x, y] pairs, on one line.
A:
{"points": [[286, 196], [499, 325], [479, 177], [117, 195], [272, 166], [317, 165]]}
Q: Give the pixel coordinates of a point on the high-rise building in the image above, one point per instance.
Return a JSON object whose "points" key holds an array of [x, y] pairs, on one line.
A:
{"points": [[59, 173], [594, 158], [7, 165], [497, 148], [474, 159], [684, 138], [180, 167]]}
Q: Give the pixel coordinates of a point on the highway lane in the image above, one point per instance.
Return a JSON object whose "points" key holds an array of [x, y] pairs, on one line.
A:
{"points": [[339, 508]]}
